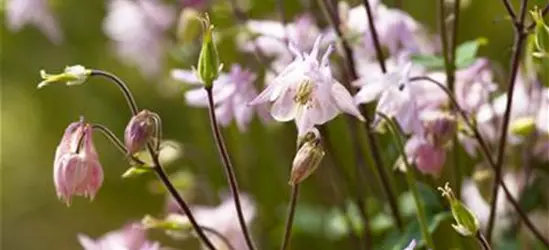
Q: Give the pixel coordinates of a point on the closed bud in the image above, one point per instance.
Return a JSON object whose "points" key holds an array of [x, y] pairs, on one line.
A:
{"points": [[77, 170], [73, 75], [208, 61], [139, 131], [466, 222], [306, 160]]}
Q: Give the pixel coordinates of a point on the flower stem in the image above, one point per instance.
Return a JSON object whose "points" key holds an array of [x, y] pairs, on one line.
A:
{"points": [[229, 170], [122, 85], [290, 218], [422, 218], [375, 39], [487, 155], [515, 62], [173, 191], [482, 241]]}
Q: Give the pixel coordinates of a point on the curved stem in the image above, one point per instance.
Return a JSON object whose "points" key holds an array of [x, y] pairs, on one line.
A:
{"points": [[487, 155], [182, 204], [115, 141], [121, 85], [225, 240], [229, 170], [482, 241], [420, 206], [157, 131], [373, 33], [290, 218]]}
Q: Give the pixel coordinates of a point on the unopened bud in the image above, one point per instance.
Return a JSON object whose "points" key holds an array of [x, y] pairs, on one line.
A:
{"points": [[73, 75], [208, 61], [139, 131], [466, 222], [523, 126], [306, 160]]}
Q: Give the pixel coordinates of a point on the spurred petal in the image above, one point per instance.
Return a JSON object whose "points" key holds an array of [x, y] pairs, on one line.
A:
{"points": [[344, 100]]}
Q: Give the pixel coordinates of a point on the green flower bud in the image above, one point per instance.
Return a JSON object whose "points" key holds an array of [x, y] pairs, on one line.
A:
{"points": [[466, 222], [72, 75], [306, 160], [208, 61]]}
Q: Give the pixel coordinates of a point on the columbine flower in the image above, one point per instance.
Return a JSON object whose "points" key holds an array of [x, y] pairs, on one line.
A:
{"points": [[395, 92], [131, 237], [222, 218], [35, 12], [77, 170], [137, 30], [306, 91], [139, 131], [73, 75], [231, 93]]}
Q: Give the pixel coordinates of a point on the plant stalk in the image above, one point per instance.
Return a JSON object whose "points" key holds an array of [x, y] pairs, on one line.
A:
{"points": [[290, 218]]}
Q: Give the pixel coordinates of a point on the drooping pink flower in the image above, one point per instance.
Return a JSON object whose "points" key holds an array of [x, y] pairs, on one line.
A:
{"points": [[223, 219], [34, 12], [130, 237], [77, 170], [137, 31], [305, 91], [428, 158], [231, 93]]}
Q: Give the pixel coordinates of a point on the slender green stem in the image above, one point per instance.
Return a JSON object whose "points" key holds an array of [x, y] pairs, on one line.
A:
{"points": [[482, 241], [121, 85], [290, 218], [422, 218], [115, 141], [228, 168]]}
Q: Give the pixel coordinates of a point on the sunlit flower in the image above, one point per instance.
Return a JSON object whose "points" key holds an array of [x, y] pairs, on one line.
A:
{"points": [[306, 91], [35, 12], [231, 93], [137, 31], [223, 219], [130, 237], [77, 170]]}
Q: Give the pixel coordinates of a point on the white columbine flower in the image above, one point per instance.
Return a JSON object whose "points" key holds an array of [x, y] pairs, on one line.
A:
{"points": [[394, 92], [36, 12], [305, 91]]}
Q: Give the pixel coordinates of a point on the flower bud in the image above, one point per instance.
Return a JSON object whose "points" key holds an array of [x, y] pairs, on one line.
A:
{"points": [[440, 127], [466, 222], [139, 131], [208, 61], [73, 75], [306, 160], [77, 170]]}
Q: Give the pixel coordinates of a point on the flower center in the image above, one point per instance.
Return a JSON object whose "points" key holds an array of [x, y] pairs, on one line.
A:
{"points": [[304, 92]]}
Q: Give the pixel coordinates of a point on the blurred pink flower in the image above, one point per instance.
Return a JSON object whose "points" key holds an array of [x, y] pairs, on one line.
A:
{"points": [[305, 91], [428, 158], [231, 93], [137, 30], [77, 170], [130, 237], [223, 219], [35, 12]]}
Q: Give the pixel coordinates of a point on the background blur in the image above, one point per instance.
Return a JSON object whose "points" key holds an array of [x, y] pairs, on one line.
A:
{"points": [[33, 121]]}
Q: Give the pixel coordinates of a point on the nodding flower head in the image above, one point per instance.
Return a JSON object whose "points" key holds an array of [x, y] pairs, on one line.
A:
{"points": [[307, 158], [73, 75], [77, 170], [139, 131]]}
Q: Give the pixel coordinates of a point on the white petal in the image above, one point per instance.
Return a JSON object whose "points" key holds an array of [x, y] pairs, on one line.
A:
{"points": [[344, 100], [326, 57], [369, 92], [87, 243], [316, 48], [187, 76], [304, 120], [284, 108], [224, 114], [267, 28], [196, 97]]}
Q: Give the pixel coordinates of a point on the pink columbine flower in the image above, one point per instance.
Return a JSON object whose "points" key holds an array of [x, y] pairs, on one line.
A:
{"points": [[395, 93], [35, 12], [305, 91], [231, 93], [223, 219], [137, 31], [130, 237], [77, 170]]}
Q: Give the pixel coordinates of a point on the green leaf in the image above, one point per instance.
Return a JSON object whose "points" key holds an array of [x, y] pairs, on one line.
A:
{"points": [[397, 241], [467, 51], [430, 62], [136, 171], [430, 199]]}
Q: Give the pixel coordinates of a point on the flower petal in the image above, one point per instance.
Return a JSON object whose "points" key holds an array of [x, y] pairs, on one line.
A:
{"points": [[284, 108], [344, 100]]}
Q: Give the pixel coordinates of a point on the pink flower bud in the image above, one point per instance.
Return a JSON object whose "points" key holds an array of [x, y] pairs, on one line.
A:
{"points": [[306, 160], [77, 170], [139, 131], [428, 158]]}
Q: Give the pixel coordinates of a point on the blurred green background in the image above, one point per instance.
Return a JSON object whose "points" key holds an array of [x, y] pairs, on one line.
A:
{"points": [[34, 120]]}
